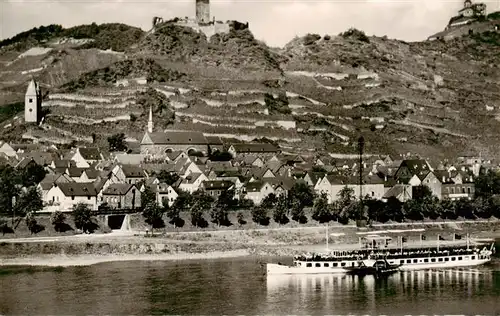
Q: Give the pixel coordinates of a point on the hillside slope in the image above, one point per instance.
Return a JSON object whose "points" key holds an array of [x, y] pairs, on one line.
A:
{"points": [[434, 98]]}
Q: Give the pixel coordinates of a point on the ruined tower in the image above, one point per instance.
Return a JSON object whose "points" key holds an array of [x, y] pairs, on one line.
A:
{"points": [[32, 103], [202, 11]]}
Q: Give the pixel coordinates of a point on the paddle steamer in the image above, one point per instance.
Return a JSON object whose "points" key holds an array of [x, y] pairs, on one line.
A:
{"points": [[414, 258]]}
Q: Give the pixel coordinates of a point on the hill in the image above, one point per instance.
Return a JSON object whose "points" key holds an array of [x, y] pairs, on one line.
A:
{"points": [[435, 98]]}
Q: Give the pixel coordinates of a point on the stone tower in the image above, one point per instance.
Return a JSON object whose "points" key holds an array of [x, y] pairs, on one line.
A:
{"points": [[32, 103], [150, 121], [202, 11]]}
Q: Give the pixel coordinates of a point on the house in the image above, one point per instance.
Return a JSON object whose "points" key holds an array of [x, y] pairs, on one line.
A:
{"points": [[8, 150], [372, 186], [85, 157], [161, 143], [311, 178], [433, 183], [128, 173], [192, 182], [129, 159], [122, 196], [50, 179], [410, 168], [402, 192], [165, 194], [65, 195], [455, 186], [215, 188], [257, 191], [260, 149]]}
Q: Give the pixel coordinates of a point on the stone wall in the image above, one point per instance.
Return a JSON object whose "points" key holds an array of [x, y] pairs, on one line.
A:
{"points": [[161, 150]]}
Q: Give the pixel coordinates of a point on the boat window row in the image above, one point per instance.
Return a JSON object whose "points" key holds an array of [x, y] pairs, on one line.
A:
{"points": [[441, 259], [327, 264]]}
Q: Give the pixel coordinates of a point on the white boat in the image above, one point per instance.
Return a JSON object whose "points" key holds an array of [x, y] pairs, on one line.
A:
{"points": [[415, 258]]}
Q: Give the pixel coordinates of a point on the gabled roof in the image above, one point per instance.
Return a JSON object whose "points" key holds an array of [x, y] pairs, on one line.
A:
{"points": [[190, 179], [118, 189], [255, 186], [92, 173], [133, 171], [75, 172], [77, 189], [130, 159], [255, 148], [396, 191], [64, 163], [285, 183], [178, 138]]}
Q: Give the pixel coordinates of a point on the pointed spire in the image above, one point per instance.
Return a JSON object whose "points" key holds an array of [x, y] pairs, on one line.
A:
{"points": [[150, 121]]}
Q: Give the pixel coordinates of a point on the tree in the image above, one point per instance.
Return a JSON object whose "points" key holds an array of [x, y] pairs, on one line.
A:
{"points": [[58, 221], [220, 156], [464, 208], [148, 196], [297, 212], [393, 210], [302, 194], [9, 189], [174, 213], [487, 183], [201, 202], [219, 215], [345, 206], [84, 221], [321, 209], [117, 142], [259, 215], [30, 201], [32, 224], [277, 105], [281, 210], [269, 201], [412, 210], [421, 192], [167, 177], [154, 215], [32, 175], [448, 209], [375, 208]]}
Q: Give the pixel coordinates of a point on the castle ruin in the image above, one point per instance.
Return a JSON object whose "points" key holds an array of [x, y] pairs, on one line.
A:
{"points": [[201, 22]]}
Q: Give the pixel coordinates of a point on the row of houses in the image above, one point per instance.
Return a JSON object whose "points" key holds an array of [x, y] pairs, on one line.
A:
{"points": [[88, 175]]}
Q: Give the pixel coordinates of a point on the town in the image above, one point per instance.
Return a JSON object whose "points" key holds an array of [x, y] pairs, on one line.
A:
{"points": [[175, 171]]}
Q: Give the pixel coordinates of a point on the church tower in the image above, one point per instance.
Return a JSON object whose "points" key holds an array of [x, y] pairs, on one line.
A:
{"points": [[202, 11], [150, 121], [32, 103]]}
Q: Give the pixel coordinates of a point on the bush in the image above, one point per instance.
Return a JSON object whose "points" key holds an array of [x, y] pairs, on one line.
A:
{"points": [[58, 221], [83, 218], [310, 39], [355, 34], [241, 219], [326, 37], [259, 216]]}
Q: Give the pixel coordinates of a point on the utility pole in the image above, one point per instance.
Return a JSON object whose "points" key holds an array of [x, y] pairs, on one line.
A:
{"points": [[361, 145]]}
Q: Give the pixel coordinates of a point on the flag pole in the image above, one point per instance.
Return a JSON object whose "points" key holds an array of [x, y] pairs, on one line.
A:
{"points": [[421, 242], [438, 243], [467, 241]]}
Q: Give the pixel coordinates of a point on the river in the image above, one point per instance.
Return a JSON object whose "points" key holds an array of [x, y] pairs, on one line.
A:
{"points": [[239, 286]]}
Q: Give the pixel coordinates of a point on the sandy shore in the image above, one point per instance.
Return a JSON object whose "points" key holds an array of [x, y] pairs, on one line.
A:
{"points": [[87, 260]]}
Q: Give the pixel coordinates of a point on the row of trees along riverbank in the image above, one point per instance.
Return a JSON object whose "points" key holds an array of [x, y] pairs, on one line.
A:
{"points": [[22, 200]]}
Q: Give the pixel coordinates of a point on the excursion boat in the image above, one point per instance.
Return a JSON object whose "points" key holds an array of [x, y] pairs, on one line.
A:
{"points": [[414, 258]]}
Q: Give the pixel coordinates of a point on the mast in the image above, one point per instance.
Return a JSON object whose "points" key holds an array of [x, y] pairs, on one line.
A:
{"points": [[438, 243], [361, 144], [467, 241]]}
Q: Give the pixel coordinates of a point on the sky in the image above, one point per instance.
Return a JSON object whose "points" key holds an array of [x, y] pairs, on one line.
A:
{"points": [[276, 22]]}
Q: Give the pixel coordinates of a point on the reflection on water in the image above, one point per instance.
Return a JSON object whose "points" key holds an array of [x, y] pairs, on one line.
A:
{"points": [[240, 287], [450, 291]]}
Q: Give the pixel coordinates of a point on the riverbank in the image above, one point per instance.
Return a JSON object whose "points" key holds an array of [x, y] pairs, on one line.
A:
{"points": [[129, 246]]}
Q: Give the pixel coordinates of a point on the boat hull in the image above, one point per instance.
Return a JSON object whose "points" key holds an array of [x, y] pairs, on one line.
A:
{"points": [[278, 269]]}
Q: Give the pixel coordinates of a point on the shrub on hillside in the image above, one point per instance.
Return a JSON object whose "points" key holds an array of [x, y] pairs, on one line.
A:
{"points": [[310, 39], [259, 216], [83, 218], [58, 221], [355, 34], [277, 105], [32, 224], [241, 219]]}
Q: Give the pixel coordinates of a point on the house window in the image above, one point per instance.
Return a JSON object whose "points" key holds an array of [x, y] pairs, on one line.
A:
{"points": [[473, 258], [31, 110], [373, 193], [468, 190], [453, 190], [31, 101], [463, 190], [73, 198], [88, 197]]}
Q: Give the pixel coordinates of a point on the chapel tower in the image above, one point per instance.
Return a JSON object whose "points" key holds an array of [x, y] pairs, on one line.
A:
{"points": [[150, 121], [32, 103], [203, 11]]}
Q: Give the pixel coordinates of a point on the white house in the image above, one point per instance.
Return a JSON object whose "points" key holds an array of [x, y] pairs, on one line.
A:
{"points": [[65, 195], [165, 194], [84, 157], [257, 191], [192, 182]]}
